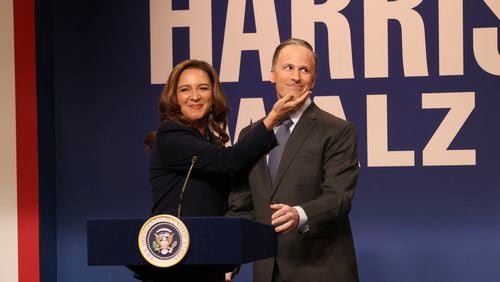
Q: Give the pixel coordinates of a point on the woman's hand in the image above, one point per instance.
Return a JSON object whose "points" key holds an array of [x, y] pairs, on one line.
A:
{"points": [[284, 107]]}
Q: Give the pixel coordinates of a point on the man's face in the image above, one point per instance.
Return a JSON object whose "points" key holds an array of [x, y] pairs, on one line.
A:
{"points": [[294, 72]]}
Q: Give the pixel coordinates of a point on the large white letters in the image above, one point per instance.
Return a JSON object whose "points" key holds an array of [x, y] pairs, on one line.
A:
{"points": [[436, 151], [377, 136], [486, 43], [235, 41], [451, 37], [377, 13], [306, 13]]}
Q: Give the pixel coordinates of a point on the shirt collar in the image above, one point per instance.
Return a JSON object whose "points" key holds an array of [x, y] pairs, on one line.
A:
{"points": [[295, 116]]}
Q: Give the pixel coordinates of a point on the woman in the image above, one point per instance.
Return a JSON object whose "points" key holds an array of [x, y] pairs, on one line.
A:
{"points": [[190, 141], [191, 136]]}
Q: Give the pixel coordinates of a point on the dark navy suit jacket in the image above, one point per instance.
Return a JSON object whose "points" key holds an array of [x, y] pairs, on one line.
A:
{"points": [[208, 187]]}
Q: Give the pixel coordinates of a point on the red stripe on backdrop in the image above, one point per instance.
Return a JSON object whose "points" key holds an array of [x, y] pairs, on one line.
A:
{"points": [[26, 135]]}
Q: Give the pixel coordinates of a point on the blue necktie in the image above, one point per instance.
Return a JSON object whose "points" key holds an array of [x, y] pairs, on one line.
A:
{"points": [[275, 155]]}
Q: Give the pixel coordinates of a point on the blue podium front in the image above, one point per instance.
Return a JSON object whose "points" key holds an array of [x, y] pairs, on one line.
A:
{"points": [[217, 244]]}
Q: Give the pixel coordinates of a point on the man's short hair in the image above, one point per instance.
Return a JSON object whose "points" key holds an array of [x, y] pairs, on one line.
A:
{"points": [[294, 41]]}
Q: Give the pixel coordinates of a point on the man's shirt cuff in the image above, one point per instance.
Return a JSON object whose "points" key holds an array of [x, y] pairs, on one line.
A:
{"points": [[302, 227]]}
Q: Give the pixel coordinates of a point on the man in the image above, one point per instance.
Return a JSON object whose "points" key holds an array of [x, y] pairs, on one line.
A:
{"points": [[309, 198]]}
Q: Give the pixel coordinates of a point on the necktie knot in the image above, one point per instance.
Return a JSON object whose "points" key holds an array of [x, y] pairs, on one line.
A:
{"points": [[287, 122]]}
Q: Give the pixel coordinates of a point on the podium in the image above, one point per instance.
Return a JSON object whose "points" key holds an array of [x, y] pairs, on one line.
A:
{"points": [[217, 245]]}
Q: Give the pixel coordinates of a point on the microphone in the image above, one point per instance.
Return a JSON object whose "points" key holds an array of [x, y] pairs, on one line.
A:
{"points": [[193, 161]]}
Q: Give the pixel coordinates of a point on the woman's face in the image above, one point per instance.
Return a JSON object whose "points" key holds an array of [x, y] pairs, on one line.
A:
{"points": [[194, 94]]}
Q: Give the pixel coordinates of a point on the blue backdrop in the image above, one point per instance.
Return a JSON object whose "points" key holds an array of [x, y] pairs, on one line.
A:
{"points": [[413, 219]]}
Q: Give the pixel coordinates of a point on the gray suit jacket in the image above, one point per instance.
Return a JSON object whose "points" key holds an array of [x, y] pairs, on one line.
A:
{"points": [[318, 172]]}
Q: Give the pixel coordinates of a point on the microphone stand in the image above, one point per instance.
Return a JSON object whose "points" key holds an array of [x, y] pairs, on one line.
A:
{"points": [[193, 161]]}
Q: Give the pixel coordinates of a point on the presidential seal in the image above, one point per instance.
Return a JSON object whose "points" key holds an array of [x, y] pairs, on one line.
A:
{"points": [[163, 240]]}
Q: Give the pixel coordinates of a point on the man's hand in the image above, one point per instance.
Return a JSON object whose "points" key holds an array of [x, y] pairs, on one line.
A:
{"points": [[284, 218]]}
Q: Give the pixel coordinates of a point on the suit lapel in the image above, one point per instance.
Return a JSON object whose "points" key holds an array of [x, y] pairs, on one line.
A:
{"points": [[262, 170], [294, 143]]}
